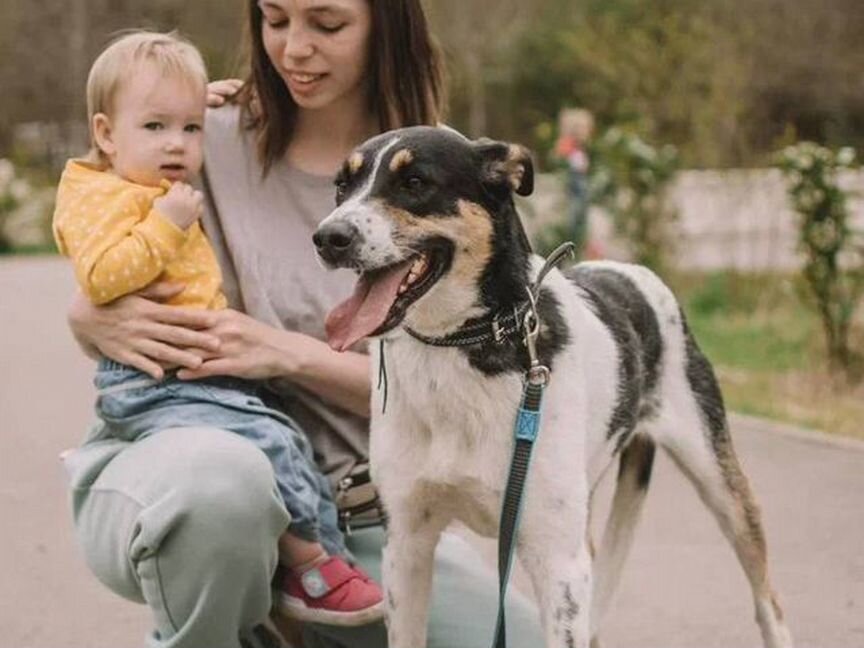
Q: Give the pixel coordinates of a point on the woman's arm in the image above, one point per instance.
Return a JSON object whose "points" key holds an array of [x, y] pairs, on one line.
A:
{"points": [[137, 330], [342, 378], [250, 349]]}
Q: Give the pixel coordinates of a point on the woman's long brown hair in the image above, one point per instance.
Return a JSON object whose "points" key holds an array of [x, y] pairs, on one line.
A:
{"points": [[406, 72]]}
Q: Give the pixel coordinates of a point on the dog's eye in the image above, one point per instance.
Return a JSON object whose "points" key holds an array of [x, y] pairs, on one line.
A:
{"points": [[414, 183], [341, 189]]}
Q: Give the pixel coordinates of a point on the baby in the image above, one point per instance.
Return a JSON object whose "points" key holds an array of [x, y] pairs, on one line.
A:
{"points": [[127, 216]]}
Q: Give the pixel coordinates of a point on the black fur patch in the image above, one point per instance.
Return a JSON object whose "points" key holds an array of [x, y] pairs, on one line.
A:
{"points": [[631, 320], [443, 170], [640, 451], [511, 355], [702, 381]]}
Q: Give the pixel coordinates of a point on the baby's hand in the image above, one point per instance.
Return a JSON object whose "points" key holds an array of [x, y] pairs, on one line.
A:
{"points": [[182, 205]]}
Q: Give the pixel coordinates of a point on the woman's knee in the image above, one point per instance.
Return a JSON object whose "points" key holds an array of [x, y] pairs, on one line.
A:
{"points": [[228, 490], [208, 544], [200, 495]]}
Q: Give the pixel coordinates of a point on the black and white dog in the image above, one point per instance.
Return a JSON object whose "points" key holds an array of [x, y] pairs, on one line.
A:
{"points": [[426, 217]]}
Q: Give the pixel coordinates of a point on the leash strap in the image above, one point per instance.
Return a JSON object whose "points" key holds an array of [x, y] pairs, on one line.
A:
{"points": [[526, 430]]}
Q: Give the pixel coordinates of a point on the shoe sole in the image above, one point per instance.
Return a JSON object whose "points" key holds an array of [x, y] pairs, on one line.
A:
{"points": [[295, 608]]}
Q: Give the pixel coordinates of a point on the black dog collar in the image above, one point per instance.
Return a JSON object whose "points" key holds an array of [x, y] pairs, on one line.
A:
{"points": [[489, 328], [501, 325]]}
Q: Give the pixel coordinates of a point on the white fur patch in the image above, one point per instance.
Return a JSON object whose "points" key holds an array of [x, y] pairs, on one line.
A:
{"points": [[378, 249]]}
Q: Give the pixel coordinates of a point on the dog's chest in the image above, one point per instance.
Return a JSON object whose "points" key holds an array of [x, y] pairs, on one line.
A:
{"points": [[437, 388], [446, 434]]}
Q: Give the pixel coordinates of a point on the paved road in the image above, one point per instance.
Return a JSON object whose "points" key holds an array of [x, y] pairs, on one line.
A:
{"points": [[682, 587]]}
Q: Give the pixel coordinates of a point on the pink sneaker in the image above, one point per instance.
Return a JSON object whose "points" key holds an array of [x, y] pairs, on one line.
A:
{"points": [[332, 593]]}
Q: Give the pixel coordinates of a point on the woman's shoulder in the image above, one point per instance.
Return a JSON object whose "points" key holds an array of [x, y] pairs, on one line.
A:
{"points": [[226, 140], [223, 120]]}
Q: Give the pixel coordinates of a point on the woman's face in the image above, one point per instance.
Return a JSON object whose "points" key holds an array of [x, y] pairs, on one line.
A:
{"points": [[320, 49]]}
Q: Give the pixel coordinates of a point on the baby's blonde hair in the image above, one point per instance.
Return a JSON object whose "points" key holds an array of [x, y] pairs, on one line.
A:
{"points": [[172, 55]]}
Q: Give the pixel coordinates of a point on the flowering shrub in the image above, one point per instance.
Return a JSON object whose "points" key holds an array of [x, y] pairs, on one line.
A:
{"points": [[25, 212], [13, 192], [834, 254], [629, 178]]}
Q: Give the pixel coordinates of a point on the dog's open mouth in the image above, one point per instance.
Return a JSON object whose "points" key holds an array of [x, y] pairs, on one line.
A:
{"points": [[382, 296]]}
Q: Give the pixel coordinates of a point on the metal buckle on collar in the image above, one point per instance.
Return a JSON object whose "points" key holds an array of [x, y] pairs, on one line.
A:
{"points": [[497, 331]]}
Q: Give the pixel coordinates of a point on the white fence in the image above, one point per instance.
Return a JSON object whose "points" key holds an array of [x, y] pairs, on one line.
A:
{"points": [[735, 219]]}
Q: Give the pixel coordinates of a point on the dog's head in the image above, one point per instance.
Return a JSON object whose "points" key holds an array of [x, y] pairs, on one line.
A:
{"points": [[426, 217]]}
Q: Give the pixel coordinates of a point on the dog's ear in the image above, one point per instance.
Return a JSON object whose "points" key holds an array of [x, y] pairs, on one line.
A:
{"points": [[507, 164]]}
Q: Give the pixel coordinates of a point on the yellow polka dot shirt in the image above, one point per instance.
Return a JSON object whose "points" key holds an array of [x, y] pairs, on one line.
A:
{"points": [[119, 243]]}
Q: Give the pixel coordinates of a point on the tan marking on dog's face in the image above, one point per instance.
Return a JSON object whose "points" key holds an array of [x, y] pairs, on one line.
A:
{"points": [[471, 234], [355, 162], [402, 158]]}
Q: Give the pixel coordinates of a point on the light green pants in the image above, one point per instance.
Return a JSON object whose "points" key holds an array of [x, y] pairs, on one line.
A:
{"points": [[187, 520]]}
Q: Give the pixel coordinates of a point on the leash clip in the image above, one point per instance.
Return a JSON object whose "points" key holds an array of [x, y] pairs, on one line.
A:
{"points": [[537, 373]]}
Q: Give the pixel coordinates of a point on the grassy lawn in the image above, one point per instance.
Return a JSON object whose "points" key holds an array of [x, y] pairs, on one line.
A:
{"points": [[768, 350]]}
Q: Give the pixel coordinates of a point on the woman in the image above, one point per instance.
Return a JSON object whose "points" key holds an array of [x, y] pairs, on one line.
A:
{"points": [[187, 521]]}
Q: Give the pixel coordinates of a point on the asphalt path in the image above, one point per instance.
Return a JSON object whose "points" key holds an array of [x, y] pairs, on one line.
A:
{"points": [[682, 587]]}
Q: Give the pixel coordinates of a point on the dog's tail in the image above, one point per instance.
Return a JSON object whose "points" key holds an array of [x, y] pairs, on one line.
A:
{"points": [[634, 476]]}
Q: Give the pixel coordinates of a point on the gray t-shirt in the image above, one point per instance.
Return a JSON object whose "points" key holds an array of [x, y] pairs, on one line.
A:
{"points": [[261, 229]]}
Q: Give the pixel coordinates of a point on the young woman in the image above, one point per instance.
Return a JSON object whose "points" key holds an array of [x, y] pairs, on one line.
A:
{"points": [[188, 521]]}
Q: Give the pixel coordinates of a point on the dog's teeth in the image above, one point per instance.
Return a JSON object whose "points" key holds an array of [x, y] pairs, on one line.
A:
{"points": [[419, 265]]}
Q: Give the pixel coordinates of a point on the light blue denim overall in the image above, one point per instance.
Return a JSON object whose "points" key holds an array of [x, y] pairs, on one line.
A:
{"points": [[132, 406]]}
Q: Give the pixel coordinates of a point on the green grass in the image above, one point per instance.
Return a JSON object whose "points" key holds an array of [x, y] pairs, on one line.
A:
{"points": [[767, 348], [30, 250], [752, 322]]}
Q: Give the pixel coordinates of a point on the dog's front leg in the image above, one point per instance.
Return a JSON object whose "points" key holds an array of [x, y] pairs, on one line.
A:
{"points": [[407, 569], [561, 576]]}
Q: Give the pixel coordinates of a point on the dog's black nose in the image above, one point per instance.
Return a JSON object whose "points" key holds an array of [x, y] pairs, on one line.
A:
{"points": [[336, 240]]}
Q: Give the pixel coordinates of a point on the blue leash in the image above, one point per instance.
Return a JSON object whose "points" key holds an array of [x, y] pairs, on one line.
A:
{"points": [[525, 432], [527, 425]]}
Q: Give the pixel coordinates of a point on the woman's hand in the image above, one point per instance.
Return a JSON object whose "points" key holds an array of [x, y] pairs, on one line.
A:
{"points": [[139, 331], [256, 351], [247, 349], [218, 92]]}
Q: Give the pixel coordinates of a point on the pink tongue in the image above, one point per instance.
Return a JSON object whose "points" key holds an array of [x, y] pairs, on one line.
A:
{"points": [[366, 309]]}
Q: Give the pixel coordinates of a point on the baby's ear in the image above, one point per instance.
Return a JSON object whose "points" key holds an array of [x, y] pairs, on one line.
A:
{"points": [[506, 164], [102, 134]]}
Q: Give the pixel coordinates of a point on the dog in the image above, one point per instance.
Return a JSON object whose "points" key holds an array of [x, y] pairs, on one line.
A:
{"points": [[427, 219]]}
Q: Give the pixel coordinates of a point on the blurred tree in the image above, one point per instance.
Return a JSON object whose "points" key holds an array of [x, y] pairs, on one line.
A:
{"points": [[726, 82], [476, 36], [666, 69], [808, 71], [46, 49]]}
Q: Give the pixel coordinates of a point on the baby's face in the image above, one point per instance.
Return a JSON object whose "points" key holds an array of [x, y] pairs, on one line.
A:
{"points": [[157, 128]]}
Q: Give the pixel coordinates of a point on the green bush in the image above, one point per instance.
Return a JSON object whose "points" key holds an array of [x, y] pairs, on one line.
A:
{"points": [[629, 179], [834, 253], [25, 212]]}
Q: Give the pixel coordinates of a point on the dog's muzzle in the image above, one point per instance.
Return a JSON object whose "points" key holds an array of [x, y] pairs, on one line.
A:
{"points": [[337, 242]]}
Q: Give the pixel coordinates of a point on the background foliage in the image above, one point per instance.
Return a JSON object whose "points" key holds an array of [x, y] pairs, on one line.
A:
{"points": [[726, 83], [833, 250]]}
